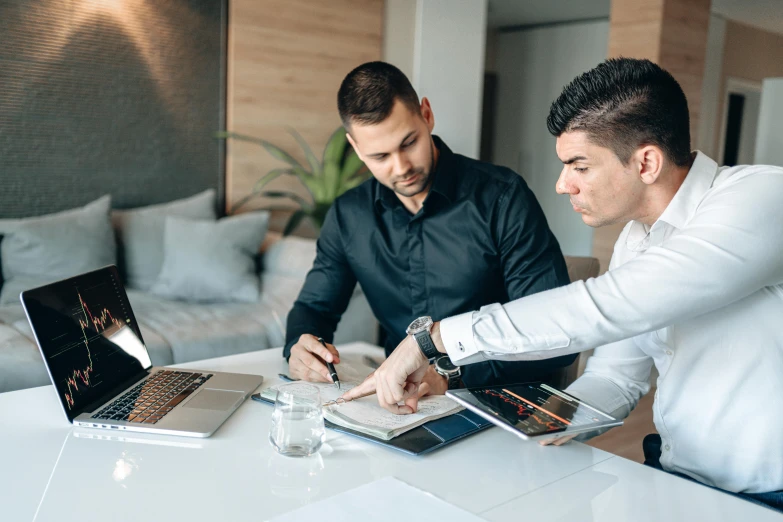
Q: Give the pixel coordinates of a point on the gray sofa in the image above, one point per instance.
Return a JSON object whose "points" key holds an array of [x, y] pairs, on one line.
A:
{"points": [[178, 332]]}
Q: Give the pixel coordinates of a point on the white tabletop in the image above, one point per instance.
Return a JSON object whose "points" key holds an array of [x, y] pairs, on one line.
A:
{"points": [[52, 471]]}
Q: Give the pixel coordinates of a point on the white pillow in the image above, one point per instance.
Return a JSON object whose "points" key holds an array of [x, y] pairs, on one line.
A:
{"points": [[212, 261], [140, 235], [40, 250]]}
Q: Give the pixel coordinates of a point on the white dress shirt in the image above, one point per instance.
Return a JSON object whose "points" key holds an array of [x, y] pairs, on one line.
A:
{"points": [[700, 295]]}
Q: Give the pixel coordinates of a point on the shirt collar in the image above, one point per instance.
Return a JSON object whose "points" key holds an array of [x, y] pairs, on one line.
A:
{"points": [[444, 183], [683, 205]]}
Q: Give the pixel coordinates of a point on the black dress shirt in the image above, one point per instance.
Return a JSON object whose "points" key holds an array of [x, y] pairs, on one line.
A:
{"points": [[480, 238]]}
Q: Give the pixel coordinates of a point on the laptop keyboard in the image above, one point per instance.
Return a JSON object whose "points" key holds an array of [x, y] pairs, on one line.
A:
{"points": [[152, 399]]}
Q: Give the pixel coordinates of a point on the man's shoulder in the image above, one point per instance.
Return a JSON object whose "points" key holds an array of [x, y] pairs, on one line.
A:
{"points": [[358, 198], [748, 175], [478, 175]]}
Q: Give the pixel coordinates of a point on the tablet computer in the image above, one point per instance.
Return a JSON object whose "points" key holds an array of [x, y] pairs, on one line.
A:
{"points": [[533, 410]]}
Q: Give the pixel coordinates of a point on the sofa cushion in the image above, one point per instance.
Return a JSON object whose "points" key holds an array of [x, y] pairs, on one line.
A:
{"points": [[290, 256], [140, 235], [201, 331], [212, 261], [39, 250]]}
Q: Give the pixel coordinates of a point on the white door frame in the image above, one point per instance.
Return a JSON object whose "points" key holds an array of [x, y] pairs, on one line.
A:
{"points": [[733, 85]]}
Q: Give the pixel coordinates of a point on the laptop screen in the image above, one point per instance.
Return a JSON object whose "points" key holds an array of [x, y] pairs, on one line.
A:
{"points": [[88, 336]]}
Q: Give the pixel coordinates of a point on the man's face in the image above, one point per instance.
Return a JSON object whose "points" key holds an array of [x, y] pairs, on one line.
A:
{"points": [[398, 151], [601, 188]]}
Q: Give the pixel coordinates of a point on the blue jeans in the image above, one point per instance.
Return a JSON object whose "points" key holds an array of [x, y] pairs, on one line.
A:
{"points": [[652, 457]]}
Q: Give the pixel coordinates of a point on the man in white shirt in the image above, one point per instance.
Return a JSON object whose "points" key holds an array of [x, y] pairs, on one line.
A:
{"points": [[695, 286]]}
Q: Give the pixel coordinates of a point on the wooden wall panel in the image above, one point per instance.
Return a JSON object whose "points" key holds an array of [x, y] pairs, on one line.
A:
{"points": [[286, 60], [635, 28]]}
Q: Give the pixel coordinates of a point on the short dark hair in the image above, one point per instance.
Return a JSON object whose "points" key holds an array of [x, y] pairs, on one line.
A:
{"points": [[624, 104], [368, 93]]}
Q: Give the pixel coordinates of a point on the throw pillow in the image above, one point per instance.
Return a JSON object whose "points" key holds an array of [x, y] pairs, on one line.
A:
{"points": [[40, 250], [212, 261], [140, 235]]}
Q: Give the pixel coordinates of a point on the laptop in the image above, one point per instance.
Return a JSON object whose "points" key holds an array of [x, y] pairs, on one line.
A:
{"points": [[101, 370]]}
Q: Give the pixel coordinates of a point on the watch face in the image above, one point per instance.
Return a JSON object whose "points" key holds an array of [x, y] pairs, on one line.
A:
{"points": [[445, 364], [419, 324]]}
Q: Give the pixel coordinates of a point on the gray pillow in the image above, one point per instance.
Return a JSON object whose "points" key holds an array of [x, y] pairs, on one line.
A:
{"points": [[212, 261], [140, 235], [39, 250]]}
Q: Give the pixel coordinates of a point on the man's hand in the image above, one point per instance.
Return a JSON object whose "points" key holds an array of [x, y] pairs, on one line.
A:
{"points": [[438, 384], [397, 380], [558, 441], [307, 359]]}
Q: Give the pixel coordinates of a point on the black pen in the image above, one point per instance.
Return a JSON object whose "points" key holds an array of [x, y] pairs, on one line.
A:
{"points": [[330, 366]]}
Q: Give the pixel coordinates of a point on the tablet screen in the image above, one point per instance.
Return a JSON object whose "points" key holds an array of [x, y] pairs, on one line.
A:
{"points": [[533, 409]]}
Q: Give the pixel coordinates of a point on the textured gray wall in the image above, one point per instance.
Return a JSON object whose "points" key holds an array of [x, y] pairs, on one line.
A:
{"points": [[109, 96]]}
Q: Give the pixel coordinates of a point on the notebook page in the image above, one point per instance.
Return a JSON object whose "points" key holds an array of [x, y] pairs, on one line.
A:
{"points": [[367, 412], [367, 416]]}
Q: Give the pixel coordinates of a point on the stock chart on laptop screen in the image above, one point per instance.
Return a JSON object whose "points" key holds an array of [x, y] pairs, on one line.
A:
{"points": [[88, 336]]}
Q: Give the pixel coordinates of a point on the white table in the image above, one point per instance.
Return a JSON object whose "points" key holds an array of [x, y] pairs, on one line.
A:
{"points": [[51, 471]]}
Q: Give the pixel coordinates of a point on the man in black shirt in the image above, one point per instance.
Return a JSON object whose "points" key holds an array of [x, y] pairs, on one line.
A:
{"points": [[432, 234]]}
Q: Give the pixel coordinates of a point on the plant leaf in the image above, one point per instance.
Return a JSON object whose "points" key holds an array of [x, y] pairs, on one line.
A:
{"points": [[290, 195], [331, 181], [333, 155], [239, 204], [293, 222], [315, 166], [271, 175], [275, 151], [333, 152], [351, 166]]}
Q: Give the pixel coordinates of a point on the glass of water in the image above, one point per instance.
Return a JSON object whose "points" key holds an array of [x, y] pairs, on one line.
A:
{"points": [[297, 422]]}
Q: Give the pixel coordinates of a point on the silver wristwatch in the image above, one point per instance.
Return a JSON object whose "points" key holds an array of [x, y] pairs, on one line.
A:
{"points": [[420, 330], [446, 368]]}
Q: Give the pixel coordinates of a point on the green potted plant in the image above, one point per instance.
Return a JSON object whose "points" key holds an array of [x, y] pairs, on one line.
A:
{"points": [[338, 171]]}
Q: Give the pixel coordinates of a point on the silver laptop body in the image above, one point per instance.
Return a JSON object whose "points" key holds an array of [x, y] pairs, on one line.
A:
{"points": [[101, 370]]}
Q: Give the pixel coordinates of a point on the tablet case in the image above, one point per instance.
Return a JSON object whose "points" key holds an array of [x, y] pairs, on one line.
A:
{"points": [[426, 438]]}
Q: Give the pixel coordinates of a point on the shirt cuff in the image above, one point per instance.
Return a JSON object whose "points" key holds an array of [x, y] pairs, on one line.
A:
{"points": [[457, 335]]}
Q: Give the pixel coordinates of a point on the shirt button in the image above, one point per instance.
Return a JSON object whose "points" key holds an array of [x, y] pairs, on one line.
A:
{"points": [[669, 352], [667, 447]]}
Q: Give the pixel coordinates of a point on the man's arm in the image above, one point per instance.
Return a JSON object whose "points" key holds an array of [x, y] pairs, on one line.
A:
{"points": [[728, 251], [327, 288], [617, 375], [532, 262]]}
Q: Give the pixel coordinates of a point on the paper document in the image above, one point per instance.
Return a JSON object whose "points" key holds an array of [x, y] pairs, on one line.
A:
{"points": [[385, 500], [365, 415]]}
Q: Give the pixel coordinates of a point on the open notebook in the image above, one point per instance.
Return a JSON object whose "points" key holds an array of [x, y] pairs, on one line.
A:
{"points": [[365, 415]]}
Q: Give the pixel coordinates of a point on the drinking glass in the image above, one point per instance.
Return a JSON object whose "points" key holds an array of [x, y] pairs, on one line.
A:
{"points": [[297, 422]]}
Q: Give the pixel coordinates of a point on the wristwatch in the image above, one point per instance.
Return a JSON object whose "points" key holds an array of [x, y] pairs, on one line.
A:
{"points": [[420, 330], [446, 368]]}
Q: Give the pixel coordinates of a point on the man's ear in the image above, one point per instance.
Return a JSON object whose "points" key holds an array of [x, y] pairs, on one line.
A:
{"points": [[353, 144], [426, 113], [650, 161]]}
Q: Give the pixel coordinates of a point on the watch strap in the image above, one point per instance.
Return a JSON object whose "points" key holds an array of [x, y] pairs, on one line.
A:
{"points": [[453, 380], [424, 340]]}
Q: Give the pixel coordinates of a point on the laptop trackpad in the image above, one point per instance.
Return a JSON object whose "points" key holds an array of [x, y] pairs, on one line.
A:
{"points": [[220, 400]]}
